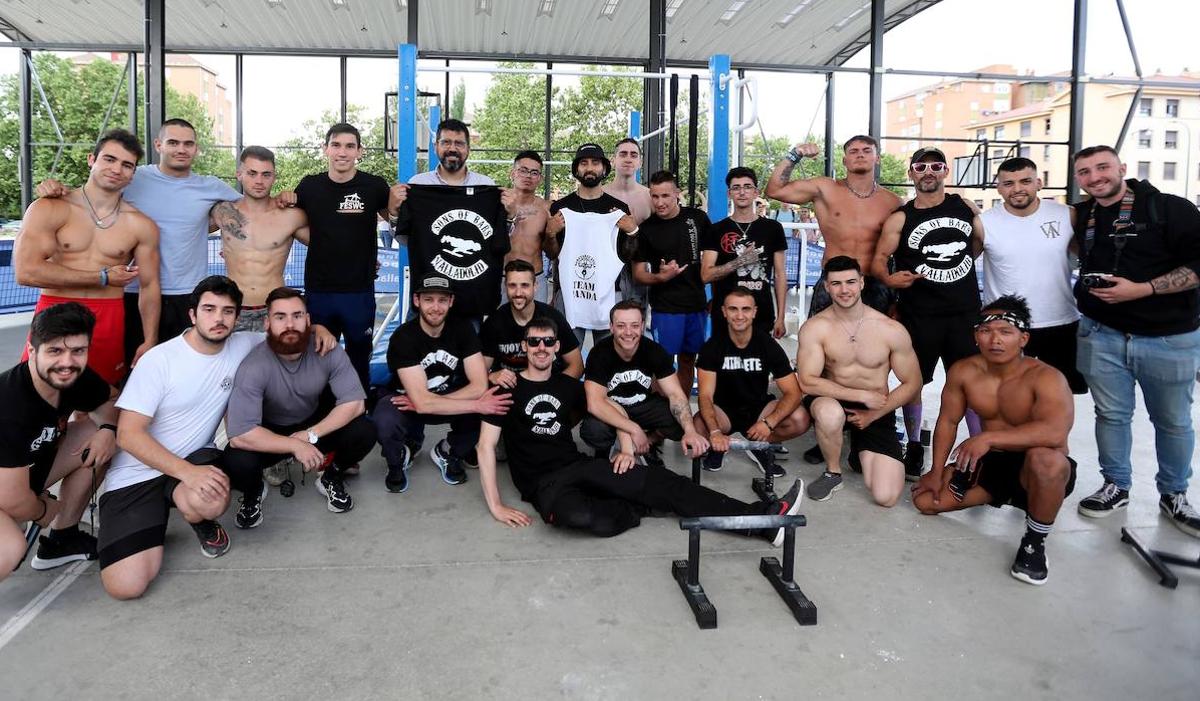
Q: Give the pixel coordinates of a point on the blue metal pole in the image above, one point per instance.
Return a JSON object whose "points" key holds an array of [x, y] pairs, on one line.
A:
{"points": [[435, 118], [635, 130], [406, 113], [718, 135]]}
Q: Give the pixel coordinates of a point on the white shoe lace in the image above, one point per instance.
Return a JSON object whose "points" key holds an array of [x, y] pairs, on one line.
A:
{"points": [[1107, 492], [1180, 508]]}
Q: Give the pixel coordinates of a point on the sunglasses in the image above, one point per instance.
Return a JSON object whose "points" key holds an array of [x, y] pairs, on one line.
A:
{"points": [[535, 341], [931, 167]]}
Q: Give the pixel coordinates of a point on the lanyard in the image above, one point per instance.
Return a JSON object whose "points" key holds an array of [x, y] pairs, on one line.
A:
{"points": [[1124, 221]]}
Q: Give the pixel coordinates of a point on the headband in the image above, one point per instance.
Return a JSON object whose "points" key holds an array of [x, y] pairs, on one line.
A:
{"points": [[1011, 318]]}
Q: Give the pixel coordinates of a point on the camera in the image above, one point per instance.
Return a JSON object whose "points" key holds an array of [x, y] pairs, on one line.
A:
{"points": [[1097, 280]]}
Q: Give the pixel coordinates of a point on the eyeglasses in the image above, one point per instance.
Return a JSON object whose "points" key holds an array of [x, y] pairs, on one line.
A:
{"points": [[447, 143], [535, 341], [522, 170], [743, 188], [931, 167]]}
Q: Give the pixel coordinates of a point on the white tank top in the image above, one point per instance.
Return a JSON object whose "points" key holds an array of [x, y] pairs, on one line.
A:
{"points": [[588, 267], [1027, 256]]}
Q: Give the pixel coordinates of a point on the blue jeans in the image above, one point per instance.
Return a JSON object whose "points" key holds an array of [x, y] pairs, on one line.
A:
{"points": [[1165, 367]]}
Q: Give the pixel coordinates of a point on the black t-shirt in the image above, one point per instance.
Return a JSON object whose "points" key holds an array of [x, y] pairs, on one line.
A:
{"points": [[502, 336], [628, 382], [743, 374], [537, 429], [441, 358], [342, 223], [729, 239], [459, 232], [936, 243], [603, 204], [676, 239], [30, 428]]}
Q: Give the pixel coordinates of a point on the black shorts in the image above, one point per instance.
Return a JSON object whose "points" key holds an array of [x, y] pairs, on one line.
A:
{"points": [[999, 473], [875, 295], [134, 518], [950, 337], [1055, 346], [653, 414], [878, 437], [743, 417]]}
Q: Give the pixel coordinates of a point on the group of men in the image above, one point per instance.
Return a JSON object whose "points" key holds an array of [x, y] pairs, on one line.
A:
{"points": [[138, 381]]}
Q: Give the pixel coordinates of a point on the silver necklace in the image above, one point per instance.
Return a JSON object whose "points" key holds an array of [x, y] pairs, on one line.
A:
{"points": [[853, 334], [746, 231], [96, 215], [859, 195]]}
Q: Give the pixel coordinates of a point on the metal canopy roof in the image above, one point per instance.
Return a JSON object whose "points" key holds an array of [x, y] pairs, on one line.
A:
{"points": [[755, 33]]}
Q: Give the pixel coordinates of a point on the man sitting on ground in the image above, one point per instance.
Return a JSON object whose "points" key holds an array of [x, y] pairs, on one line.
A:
{"points": [[623, 372], [289, 401], [1020, 457], [502, 332], [570, 491], [845, 354], [735, 370], [39, 448]]}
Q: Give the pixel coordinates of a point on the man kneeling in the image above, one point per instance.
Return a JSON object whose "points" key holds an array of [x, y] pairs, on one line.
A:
{"points": [[571, 491], [1020, 458]]}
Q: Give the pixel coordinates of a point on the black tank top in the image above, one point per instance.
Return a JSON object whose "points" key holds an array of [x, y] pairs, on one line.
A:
{"points": [[936, 243]]}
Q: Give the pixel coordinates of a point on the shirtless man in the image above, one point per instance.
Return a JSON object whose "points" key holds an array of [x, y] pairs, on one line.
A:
{"points": [[627, 161], [81, 247], [527, 215], [256, 235], [845, 355], [1020, 458], [850, 210]]}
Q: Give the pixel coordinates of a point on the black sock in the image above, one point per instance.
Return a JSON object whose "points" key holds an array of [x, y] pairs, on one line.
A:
{"points": [[58, 533], [1035, 530]]}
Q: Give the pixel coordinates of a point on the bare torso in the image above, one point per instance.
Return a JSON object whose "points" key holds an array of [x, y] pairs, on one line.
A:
{"points": [[850, 224], [865, 362], [1004, 403], [635, 195], [81, 245], [256, 252], [528, 231]]}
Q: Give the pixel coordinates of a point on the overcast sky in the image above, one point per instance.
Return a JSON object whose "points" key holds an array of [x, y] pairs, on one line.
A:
{"points": [[958, 35]]}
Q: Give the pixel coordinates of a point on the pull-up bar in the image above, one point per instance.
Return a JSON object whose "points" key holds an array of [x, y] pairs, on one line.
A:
{"points": [[545, 71]]}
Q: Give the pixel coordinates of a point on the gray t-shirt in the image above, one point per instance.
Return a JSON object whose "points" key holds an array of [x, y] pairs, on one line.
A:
{"points": [[280, 392]]}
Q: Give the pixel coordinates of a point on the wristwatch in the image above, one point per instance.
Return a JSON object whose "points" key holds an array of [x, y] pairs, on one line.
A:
{"points": [[312, 436]]}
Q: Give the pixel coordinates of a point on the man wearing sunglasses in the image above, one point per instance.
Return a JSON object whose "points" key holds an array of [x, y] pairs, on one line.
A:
{"points": [[600, 496], [931, 244], [527, 215]]}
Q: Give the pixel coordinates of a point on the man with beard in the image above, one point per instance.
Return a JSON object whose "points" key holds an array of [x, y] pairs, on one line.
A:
{"points": [[527, 215], [1025, 254], [632, 389], [746, 250], [600, 496], [590, 168], [1020, 457], [850, 210], [437, 376], [453, 147], [256, 235], [81, 247], [844, 356], [503, 353], [289, 401], [934, 239], [1139, 254], [39, 448]]}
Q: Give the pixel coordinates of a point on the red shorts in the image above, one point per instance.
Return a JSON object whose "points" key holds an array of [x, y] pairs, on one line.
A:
{"points": [[106, 354]]}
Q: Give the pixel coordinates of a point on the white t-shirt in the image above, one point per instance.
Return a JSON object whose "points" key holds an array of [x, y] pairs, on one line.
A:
{"points": [[1027, 256], [588, 267], [185, 393]]}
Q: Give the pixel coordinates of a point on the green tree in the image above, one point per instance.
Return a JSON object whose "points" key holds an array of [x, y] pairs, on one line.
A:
{"points": [[302, 154], [511, 118], [763, 155], [79, 97], [458, 102]]}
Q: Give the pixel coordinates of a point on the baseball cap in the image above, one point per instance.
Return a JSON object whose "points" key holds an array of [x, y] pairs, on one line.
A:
{"points": [[921, 153], [591, 151], [434, 283]]}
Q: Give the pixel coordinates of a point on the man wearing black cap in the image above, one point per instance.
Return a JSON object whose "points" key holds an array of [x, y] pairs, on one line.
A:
{"points": [[586, 304], [437, 375], [932, 242]]}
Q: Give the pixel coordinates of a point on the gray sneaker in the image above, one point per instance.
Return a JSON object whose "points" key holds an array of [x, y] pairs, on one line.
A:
{"points": [[277, 473], [825, 486]]}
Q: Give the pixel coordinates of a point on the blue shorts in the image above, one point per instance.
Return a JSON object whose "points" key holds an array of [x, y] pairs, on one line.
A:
{"points": [[679, 333]]}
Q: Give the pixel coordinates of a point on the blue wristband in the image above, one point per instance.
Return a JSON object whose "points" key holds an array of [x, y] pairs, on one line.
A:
{"points": [[104, 277]]}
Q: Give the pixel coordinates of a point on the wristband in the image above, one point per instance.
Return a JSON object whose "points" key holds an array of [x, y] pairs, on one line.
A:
{"points": [[767, 423], [104, 277], [714, 432], [635, 231], [45, 508], [794, 156], [108, 426], [1152, 290]]}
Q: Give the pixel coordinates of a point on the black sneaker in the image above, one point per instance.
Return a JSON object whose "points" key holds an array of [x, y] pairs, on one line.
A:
{"points": [[471, 461], [712, 461], [787, 505], [58, 549], [1105, 501], [250, 513], [854, 463], [1174, 506], [1030, 565], [653, 457], [825, 486], [214, 541], [331, 486], [449, 465], [813, 455], [765, 460], [914, 461], [397, 475]]}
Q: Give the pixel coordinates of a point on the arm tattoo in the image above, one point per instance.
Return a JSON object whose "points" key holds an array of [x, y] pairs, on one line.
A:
{"points": [[1180, 279], [786, 174], [230, 220], [682, 412]]}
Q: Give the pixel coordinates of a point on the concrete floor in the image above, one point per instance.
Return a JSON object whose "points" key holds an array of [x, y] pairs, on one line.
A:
{"points": [[423, 596]]}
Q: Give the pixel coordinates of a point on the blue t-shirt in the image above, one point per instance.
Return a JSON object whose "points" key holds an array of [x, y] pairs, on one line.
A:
{"points": [[179, 206]]}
